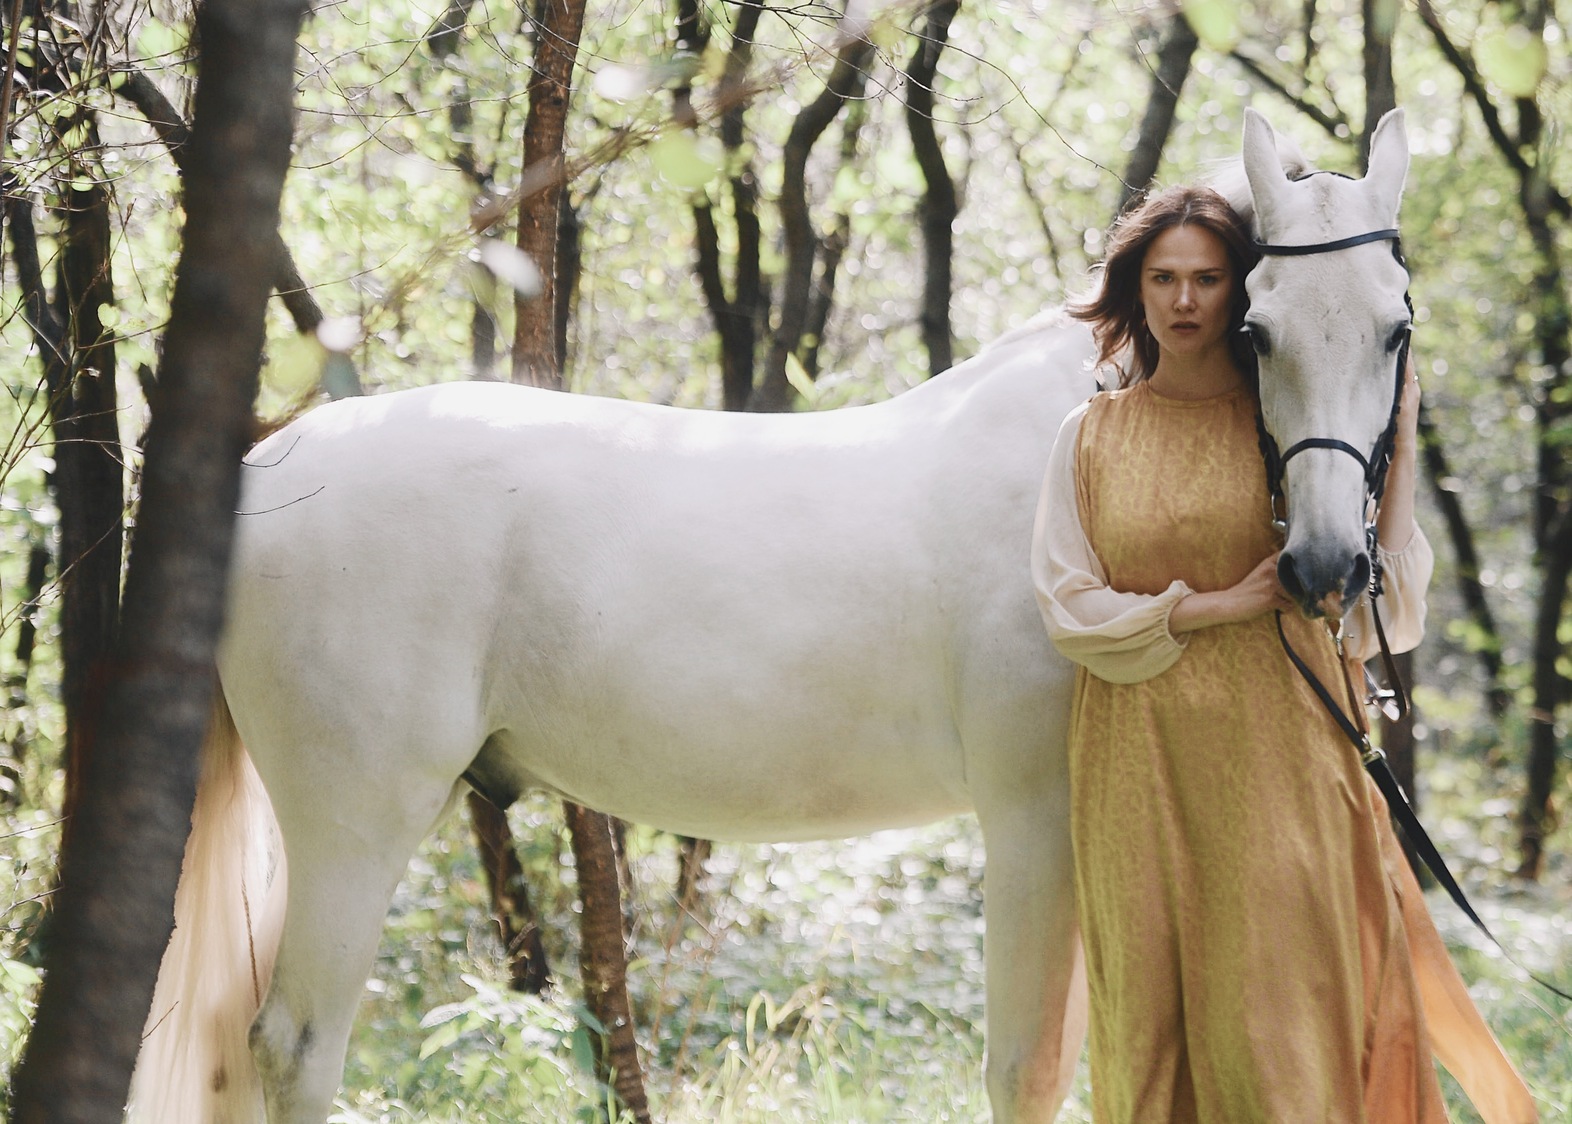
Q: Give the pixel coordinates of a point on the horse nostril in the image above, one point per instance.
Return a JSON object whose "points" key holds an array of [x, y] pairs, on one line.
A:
{"points": [[1359, 579], [1288, 574]]}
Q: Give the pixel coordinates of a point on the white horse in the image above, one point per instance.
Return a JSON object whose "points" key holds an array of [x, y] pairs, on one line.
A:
{"points": [[738, 627]]}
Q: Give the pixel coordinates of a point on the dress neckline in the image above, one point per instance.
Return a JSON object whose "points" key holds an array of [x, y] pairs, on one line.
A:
{"points": [[1187, 403]]}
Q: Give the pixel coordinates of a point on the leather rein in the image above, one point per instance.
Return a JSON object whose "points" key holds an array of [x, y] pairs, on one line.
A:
{"points": [[1392, 700]]}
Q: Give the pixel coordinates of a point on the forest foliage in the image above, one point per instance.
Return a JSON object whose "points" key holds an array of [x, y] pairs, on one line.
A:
{"points": [[395, 215]]}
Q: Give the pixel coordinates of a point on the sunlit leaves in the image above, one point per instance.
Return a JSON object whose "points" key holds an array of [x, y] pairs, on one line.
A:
{"points": [[687, 160], [1513, 58], [1215, 22]]}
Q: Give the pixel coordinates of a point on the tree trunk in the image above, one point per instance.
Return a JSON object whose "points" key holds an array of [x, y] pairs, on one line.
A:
{"points": [[1466, 562], [1173, 67], [939, 206], [603, 961], [692, 854], [558, 26], [847, 80], [89, 479], [1380, 20], [115, 905], [737, 317], [1552, 509], [78, 358], [528, 969], [1552, 532]]}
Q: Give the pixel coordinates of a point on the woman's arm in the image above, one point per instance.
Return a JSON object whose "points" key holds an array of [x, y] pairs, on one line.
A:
{"points": [[1405, 554], [1395, 522], [1260, 592], [1118, 636]]}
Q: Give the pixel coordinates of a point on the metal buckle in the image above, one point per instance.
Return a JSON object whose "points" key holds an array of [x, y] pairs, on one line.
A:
{"points": [[1381, 697]]}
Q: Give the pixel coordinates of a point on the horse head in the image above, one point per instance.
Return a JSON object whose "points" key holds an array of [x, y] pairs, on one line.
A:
{"points": [[1329, 321]]}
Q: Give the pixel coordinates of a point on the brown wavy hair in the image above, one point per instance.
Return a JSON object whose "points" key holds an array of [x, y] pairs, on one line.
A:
{"points": [[1115, 312]]}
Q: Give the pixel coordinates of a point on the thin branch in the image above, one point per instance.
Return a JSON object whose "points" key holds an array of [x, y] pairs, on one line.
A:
{"points": [[1335, 122], [143, 93]]}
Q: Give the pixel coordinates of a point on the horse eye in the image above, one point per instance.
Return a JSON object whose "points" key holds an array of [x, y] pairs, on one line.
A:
{"points": [[1258, 339], [1399, 334]]}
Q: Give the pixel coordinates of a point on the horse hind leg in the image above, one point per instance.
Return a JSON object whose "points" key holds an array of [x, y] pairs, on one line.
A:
{"points": [[343, 870]]}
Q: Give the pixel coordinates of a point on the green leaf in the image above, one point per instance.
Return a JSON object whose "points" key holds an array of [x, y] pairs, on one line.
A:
{"points": [[1512, 58], [583, 1049], [687, 161], [797, 375], [1215, 22], [440, 1039], [294, 364]]}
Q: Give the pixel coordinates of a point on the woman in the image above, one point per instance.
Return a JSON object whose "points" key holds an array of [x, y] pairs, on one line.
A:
{"points": [[1245, 934]]}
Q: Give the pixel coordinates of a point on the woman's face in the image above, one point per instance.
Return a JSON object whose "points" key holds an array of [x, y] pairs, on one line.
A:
{"points": [[1186, 291]]}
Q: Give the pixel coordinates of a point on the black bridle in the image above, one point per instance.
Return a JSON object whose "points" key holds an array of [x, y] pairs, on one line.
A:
{"points": [[1394, 699], [1375, 465]]}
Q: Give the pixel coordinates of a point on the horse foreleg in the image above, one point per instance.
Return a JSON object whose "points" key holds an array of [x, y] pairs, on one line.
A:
{"points": [[1036, 980], [342, 873]]}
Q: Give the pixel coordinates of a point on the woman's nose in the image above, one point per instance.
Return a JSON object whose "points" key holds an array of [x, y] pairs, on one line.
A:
{"points": [[1186, 296]]}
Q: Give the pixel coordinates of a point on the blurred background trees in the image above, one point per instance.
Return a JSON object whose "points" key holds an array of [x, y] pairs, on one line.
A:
{"points": [[775, 207]]}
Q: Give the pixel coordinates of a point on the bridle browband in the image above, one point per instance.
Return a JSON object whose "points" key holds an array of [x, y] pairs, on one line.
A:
{"points": [[1394, 700]]}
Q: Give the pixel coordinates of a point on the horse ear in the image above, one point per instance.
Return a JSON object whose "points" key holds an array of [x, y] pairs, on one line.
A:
{"points": [[1263, 168], [1389, 159]]}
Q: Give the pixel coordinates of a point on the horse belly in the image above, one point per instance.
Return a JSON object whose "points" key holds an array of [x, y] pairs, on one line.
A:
{"points": [[790, 770]]}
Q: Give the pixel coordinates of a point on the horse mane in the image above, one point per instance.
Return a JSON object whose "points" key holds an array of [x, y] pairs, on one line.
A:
{"points": [[1228, 176]]}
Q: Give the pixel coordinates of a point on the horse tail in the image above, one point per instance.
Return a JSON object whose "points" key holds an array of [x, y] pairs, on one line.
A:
{"points": [[195, 1066]]}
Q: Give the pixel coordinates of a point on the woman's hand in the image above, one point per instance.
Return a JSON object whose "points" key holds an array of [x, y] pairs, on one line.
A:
{"points": [[1258, 594]]}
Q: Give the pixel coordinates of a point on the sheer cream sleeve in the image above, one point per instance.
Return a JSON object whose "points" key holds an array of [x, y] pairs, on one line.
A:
{"points": [[1120, 637], [1406, 577]]}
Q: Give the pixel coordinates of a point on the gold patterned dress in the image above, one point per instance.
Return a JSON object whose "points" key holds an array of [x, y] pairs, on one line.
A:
{"points": [[1245, 946]]}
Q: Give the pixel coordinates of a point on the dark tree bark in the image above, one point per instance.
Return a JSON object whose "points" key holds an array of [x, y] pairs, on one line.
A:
{"points": [[89, 475], [16, 746], [528, 969], [78, 357], [1380, 21], [737, 316], [692, 855], [939, 205], [1552, 528], [1168, 79], [558, 26], [832, 249], [847, 80], [1465, 561], [603, 960], [119, 869]]}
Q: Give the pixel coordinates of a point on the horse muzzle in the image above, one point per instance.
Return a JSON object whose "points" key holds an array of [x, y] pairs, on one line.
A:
{"points": [[1324, 583]]}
